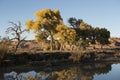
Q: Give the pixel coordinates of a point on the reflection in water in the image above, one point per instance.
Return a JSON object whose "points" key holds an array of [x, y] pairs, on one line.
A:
{"points": [[25, 76], [77, 72]]}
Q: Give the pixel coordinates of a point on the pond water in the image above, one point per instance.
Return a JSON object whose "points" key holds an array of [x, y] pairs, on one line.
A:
{"points": [[88, 71]]}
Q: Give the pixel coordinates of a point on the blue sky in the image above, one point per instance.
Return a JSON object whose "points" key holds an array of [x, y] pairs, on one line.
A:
{"points": [[98, 13]]}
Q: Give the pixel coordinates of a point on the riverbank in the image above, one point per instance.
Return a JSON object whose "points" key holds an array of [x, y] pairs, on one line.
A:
{"points": [[58, 57]]}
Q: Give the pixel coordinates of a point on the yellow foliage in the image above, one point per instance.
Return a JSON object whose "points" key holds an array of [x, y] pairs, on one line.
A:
{"points": [[82, 26], [65, 34], [61, 27], [35, 26], [51, 22], [56, 11], [37, 38], [85, 26], [29, 24], [46, 18], [42, 13]]}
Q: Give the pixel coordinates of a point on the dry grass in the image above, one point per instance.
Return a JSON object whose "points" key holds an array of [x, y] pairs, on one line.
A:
{"points": [[3, 48], [117, 54]]}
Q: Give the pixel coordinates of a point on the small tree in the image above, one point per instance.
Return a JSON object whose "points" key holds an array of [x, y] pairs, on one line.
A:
{"points": [[16, 31]]}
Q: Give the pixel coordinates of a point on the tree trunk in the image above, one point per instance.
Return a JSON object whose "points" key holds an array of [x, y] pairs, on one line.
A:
{"points": [[61, 46], [17, 46], [51, 43], [101, 46]]}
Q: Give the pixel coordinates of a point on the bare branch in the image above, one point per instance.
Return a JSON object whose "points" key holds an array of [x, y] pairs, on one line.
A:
{"points": [[17, 31], [19, 23]]}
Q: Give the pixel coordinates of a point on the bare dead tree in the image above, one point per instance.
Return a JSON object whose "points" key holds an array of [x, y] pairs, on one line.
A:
{"points": [[16, 31]]}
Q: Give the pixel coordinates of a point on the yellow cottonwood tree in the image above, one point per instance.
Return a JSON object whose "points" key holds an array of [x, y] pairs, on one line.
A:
{"points": [[65, 34], [46, 20]]}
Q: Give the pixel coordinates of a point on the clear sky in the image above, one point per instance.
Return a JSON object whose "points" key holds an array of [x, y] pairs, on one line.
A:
{"points": [[98, 13]]}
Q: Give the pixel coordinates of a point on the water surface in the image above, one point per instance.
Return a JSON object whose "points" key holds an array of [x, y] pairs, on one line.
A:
{"points": [[87, 71]]}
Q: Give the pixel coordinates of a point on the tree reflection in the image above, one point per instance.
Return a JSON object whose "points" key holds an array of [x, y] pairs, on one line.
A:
{"points": [[83, 72], [79, 72], [86, 72]]}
